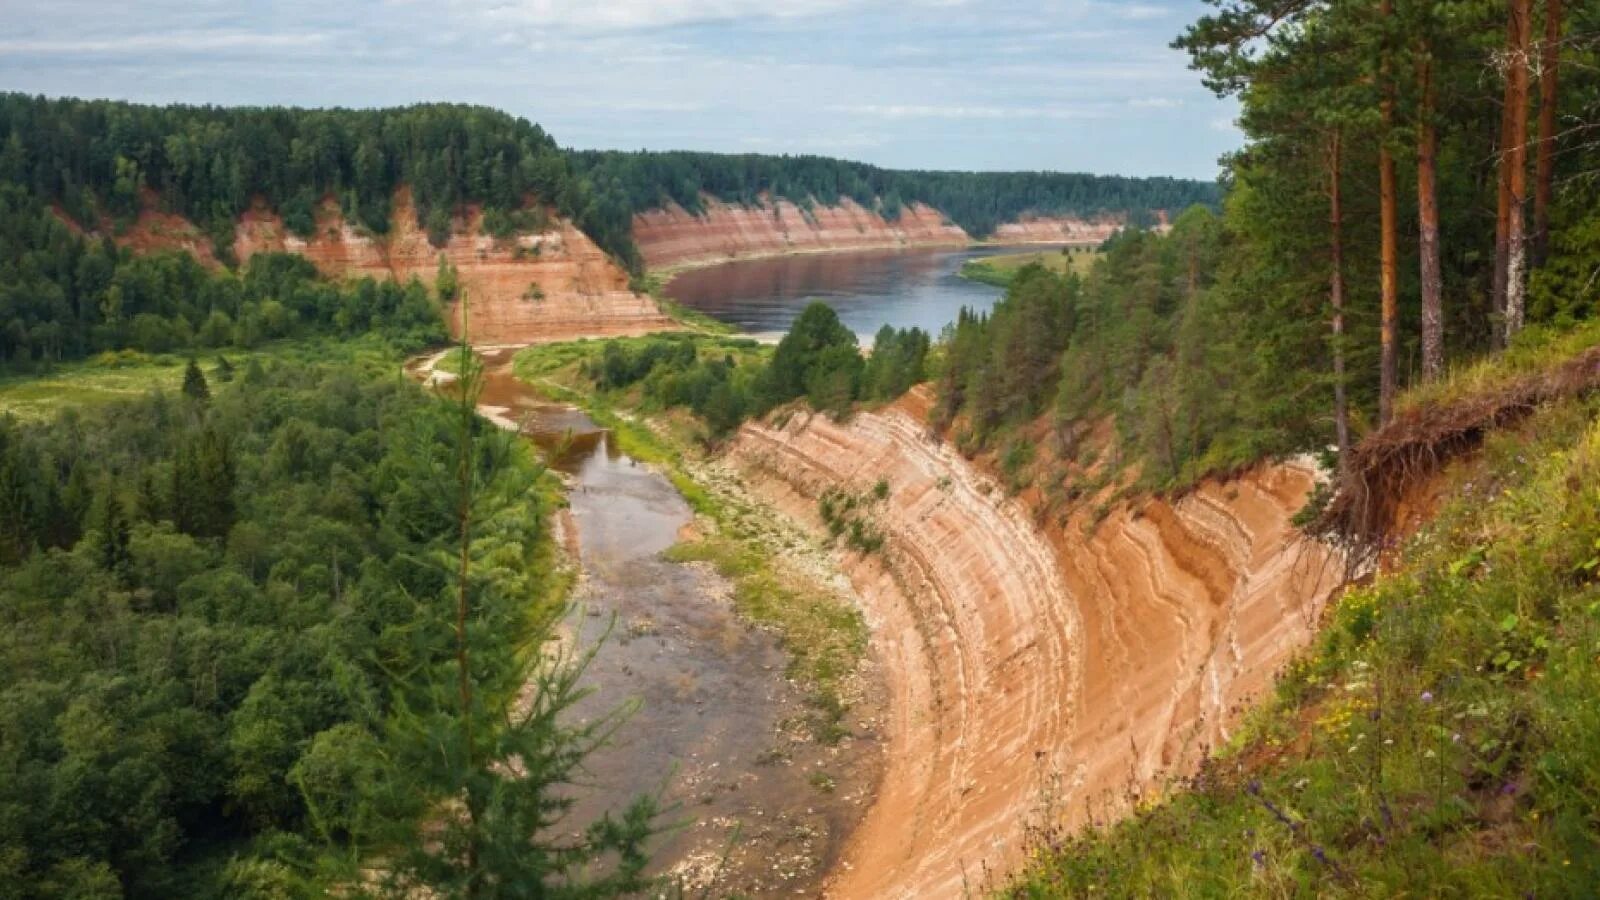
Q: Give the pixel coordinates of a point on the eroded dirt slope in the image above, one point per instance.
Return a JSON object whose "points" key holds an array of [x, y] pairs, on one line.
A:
{"points": [[1040, 675], [676, 237], [540, 287]]}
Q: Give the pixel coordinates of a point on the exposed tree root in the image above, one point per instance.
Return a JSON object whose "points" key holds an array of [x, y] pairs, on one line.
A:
{"points": [[1417, 443]]}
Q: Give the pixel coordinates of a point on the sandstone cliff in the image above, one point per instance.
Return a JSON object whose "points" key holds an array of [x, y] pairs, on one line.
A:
{"points": [[676, 237], [533, 288], [673, 236], [1040, 675], [1057, 230]]}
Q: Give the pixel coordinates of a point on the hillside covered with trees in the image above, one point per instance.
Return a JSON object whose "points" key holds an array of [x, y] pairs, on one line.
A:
{"points": [[96, 158], [977, 201], [236, 631], [1416, 190]]}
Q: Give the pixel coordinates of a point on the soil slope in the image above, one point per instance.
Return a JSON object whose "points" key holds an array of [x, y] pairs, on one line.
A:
{"points": [[1040, 676], [676, 237], [580, 291]]}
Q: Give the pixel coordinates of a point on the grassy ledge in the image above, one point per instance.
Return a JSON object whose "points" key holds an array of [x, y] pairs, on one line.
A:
{"points": [[1001, 269]]}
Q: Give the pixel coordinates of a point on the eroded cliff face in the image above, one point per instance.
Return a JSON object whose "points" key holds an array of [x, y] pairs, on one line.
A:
{"points": [[533, 288], [1040, 675], [676, 237], [1057, 230]]}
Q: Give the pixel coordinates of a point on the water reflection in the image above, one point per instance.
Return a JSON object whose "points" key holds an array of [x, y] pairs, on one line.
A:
{"points": [[868, 289]]}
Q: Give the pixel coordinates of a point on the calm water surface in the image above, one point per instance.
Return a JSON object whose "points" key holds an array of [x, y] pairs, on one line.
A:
{"points": [[868, 289]]}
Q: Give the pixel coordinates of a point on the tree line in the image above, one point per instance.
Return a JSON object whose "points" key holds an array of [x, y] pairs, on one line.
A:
{"points": [[96, 159], [1433, 163], [977, 201], [819, 360], [1419, 185]]}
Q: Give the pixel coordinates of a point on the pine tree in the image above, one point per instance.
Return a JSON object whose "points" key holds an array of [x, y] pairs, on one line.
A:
{"points": [[194, 383]]}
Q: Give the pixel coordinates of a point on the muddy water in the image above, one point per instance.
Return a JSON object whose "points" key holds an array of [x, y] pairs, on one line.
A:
{"points": [[715, 730]]}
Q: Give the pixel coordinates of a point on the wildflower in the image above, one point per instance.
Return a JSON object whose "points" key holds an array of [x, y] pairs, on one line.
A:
{"points": [[1259, 858], [1427, 696]]}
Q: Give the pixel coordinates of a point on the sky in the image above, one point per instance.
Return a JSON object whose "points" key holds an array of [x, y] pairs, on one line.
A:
{"points": [[1065, 85]]}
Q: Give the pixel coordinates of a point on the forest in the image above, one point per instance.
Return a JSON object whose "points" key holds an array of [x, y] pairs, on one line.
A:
{"points": [[818, 360], [96, 160], [233, 643], [976, 201], [1419, 188]]}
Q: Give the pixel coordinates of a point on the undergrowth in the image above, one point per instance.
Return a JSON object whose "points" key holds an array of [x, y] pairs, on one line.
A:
{"points": [[1441, 739]]}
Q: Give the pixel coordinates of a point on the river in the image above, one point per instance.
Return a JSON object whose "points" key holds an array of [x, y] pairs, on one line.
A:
{"points": [[714, 731], [868, 289]]}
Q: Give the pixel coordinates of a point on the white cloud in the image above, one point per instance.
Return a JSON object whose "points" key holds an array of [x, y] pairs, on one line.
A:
{"points": [[1155, 103], [625, 15], [171, 41], [917, 111]]}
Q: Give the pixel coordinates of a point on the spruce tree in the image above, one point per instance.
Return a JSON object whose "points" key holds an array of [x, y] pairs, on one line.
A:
{"points": [[194, 383]]}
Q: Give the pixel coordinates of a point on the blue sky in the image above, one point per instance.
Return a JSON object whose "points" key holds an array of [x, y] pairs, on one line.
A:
{"points": [[1073, 85]]}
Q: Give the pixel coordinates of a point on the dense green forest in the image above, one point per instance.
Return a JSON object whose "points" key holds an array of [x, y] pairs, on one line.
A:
{"points": [[95, 158], [1374, 229], [234, 623], [977, 201], [819, 359]]}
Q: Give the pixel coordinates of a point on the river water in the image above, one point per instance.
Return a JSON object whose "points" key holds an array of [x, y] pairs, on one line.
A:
{"points": [[868, 289], [714, 730]]}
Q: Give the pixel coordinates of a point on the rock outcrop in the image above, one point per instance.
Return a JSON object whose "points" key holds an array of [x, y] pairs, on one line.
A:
{"points": [[1040, 675], [674, 236]]}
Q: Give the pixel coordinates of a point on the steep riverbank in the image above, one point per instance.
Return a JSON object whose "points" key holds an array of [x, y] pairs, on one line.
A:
{"points": [[672, 238], [540, 286], [1040, 676]]}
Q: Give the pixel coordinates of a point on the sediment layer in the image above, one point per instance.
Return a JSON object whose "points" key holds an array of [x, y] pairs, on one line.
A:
{"points": [[1040, 676]]}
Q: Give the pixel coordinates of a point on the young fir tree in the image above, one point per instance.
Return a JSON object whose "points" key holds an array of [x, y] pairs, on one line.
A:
{"points": [[465, 788], [194, 383]]}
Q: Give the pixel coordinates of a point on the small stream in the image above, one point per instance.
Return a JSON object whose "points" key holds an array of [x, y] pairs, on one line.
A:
{"points": [[716, 730]]}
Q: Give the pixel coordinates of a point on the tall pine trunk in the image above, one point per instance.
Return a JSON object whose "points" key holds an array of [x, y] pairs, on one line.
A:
{"points": [[1502, 220], [1341, 403], [1428, 215], [1549, 84], [1389, 239], [1516, 226]]}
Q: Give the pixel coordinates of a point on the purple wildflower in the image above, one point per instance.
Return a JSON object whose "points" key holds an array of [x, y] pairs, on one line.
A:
{"points": [[1427, 696]]}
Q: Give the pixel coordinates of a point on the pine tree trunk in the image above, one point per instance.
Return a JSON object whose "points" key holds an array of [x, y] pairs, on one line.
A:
{"points": [[1516, 226], [1549, 83], [1428, 215], [1502, 221], [1389, 248], [1341, 405]]}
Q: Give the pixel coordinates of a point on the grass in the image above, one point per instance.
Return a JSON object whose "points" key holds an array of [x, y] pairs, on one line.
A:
{"points": [[1443, 736], [824, 635], [1534, 350], [999, 270], [111, 377]]}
